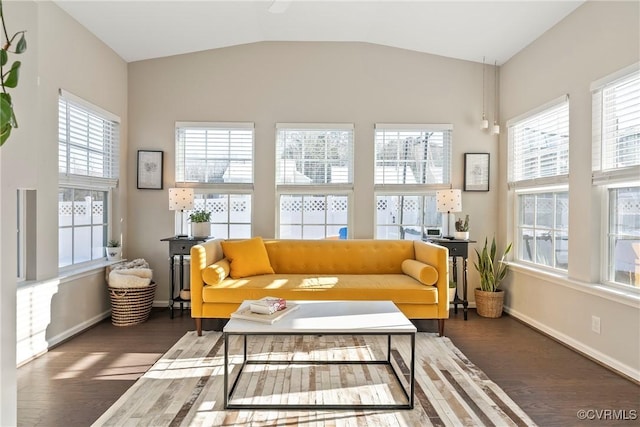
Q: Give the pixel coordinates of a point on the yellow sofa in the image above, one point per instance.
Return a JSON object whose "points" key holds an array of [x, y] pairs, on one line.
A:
{"points": [[412, 274]]}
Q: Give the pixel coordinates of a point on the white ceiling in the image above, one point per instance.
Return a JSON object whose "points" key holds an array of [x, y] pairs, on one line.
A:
{"points": [[469, 30]]}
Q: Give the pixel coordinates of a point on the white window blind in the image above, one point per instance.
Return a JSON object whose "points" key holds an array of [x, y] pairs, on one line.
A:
{"points": [[616, 120], [88, 143], [214, 153], [539, 145], [412, 154], [314, 154]]}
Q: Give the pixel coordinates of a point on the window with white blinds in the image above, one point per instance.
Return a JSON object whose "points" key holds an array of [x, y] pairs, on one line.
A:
{"points": [[214, 153], [314, 154], [616, 121], [88, 142], [412, 154], [539, 145], [88, 166]]}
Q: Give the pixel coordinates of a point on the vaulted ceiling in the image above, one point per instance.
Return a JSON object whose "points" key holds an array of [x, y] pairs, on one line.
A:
{"points": [[469, 30]]}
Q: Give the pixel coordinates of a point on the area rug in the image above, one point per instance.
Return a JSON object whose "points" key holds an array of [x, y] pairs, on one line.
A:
{"points": [[185, 386]]}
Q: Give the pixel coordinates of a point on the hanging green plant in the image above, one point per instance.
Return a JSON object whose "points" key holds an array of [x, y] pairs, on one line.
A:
{"points": [[16, 44]]}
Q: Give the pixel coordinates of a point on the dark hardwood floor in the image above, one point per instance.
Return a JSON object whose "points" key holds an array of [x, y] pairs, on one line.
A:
{"points": [[74, 383]]}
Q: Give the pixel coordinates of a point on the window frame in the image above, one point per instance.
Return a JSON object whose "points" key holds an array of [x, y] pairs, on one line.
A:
{"points": [[607, 179], [204, 189], [545, 183], [422, 190], [309, 189], [89, 181]]}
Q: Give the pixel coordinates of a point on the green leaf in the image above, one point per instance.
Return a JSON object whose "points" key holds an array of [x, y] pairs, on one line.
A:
{"points": [[22, 44], [3, 57], [12, 76], [5, 132], [6, 111]]}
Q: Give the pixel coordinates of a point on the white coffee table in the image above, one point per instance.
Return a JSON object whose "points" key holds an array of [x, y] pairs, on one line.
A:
{"points": [[326, 318]]}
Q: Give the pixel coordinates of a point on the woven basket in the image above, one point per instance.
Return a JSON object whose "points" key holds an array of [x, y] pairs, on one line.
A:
{"points": [[489, 304], [130, 306]]}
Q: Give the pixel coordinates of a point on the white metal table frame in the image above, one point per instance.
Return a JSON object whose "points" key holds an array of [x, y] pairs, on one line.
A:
{"points": [[344, 307]]}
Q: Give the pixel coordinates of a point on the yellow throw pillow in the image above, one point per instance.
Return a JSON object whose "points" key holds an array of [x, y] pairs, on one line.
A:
{"points": [[420, 271], [216, 273], [247, 257]]}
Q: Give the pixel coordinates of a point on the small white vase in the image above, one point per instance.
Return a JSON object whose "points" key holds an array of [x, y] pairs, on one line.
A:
{"points": [[462, 235], [200, 229], [113, 254]]}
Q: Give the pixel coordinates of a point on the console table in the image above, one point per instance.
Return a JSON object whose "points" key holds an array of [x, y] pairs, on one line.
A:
{"points": [[179, 246], [457, 248]]}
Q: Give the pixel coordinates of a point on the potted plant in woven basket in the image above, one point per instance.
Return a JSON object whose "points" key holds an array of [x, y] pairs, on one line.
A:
{"points": [[490, 299]]}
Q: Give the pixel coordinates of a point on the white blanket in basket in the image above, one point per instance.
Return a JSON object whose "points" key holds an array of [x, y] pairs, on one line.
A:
{"points": [[135, 274]]}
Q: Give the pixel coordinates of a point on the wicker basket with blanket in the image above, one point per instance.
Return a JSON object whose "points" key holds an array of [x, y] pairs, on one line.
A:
{"points": [[132, 291]]}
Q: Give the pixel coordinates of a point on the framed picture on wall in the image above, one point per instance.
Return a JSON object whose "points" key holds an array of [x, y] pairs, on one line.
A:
{"points": [[150, 169], [476, 172]]}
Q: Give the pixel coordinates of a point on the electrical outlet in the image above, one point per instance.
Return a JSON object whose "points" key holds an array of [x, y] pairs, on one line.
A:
{"points": [[595, 324]]}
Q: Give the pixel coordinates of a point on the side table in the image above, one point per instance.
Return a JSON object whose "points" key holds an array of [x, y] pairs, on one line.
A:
{"points": [[457, 249], [179, 246]]}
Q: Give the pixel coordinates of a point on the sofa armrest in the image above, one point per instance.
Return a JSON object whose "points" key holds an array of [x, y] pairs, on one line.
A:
{"points": [[438, 257], [202, 255]]}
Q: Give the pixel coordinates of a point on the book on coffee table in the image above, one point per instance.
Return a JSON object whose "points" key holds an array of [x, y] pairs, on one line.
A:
{"points": [[247, 314]]}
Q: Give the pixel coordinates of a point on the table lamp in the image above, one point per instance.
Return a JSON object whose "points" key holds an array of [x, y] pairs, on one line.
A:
{"points": [[181, 199], [449, 201]]}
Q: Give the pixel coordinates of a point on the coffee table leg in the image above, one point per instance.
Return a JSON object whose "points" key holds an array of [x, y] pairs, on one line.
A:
{"points": [[226, 370], [412, 378], [389, 348]]}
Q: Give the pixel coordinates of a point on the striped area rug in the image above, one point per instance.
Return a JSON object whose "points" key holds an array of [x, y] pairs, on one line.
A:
{"points": [[185, 387]]}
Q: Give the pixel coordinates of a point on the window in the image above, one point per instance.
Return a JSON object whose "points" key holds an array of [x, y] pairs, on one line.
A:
{"points": [[411, 163], [88, 160], [314, 177], [616, 168], [217, 160], [538, 171]]}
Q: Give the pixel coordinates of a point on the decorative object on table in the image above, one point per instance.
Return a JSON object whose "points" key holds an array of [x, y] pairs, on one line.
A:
{"points": [[448, 201], [113, 250], [181, 199], [462, 228], [476, 172], [131, 290], [247, 313], [200, 223], [9, 77], [490, 299], [150, 169]]}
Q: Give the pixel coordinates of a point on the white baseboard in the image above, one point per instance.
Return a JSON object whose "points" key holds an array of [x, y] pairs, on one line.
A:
{"points": [[580, 347]]}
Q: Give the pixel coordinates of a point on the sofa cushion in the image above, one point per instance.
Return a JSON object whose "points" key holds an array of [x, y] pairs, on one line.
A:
{"points": [[351, 256], [399, 288], [420, 271], [246, 257], [216, 273]]}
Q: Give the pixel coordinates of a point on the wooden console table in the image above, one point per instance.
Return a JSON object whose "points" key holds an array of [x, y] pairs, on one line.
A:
{"points": [[179, 246], [457, 248]]}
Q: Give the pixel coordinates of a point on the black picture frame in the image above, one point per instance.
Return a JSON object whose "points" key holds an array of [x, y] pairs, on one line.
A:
{"points": [[150, 169], [476, 171]]}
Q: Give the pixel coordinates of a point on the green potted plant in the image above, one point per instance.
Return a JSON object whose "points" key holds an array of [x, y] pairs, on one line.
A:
{"points": [[200, 223], [462, 228], [489, 298], [113, 249]]}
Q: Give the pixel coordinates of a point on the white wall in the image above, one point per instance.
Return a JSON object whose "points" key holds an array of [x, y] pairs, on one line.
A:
{"points": [[273, 82], [594, 41], [61, 54]]}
